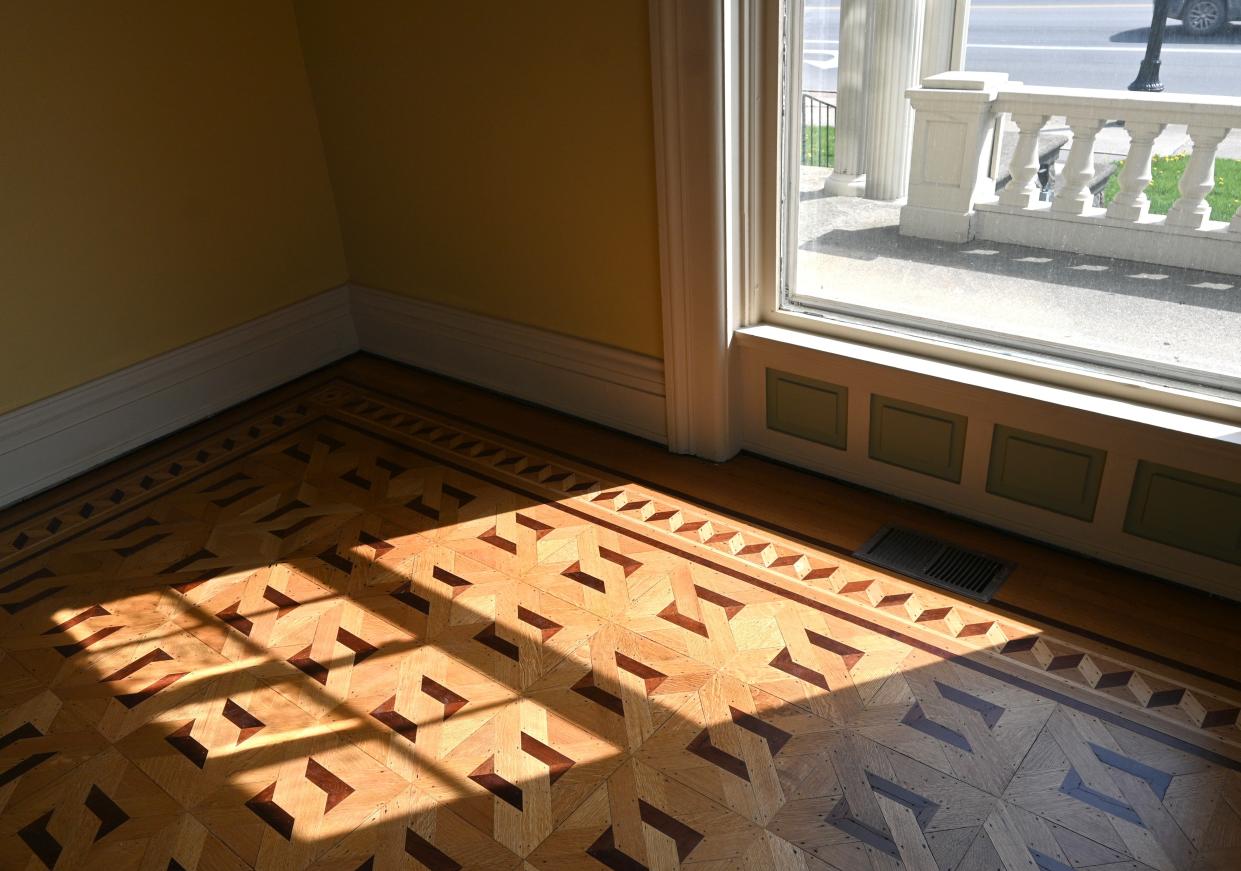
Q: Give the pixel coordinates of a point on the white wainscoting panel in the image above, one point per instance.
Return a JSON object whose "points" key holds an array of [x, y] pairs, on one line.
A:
{"points": [[50, 441], [617, 388]]}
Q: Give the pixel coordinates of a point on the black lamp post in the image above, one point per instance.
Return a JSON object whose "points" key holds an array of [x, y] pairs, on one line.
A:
{"points": [[1148, 74]]}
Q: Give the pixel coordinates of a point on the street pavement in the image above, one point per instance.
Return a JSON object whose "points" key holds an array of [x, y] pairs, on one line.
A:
{"points": [[1070, 43]]}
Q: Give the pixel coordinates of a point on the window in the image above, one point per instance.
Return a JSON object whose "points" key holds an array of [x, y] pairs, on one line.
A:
{"points": [[1026, 208], [743, 319]]}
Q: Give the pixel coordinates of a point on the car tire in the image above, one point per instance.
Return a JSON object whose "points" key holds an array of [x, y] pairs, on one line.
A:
{"points": [[1204, 17]]}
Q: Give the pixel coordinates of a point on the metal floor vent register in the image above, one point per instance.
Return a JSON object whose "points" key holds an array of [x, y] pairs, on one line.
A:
{"points": [[926, 558]]}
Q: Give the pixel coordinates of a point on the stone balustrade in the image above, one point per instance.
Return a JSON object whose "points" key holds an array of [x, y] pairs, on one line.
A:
{"points": [[952, 194]]}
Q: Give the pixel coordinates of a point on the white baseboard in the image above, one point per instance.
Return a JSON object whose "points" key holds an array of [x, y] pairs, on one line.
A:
{"points": [[616, 388], [50, 441]]}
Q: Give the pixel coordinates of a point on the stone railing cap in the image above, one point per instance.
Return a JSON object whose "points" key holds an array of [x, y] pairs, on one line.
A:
{"points": [[959, 80]]}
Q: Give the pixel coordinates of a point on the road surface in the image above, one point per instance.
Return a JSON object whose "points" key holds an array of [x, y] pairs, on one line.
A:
{"points": [[1070, 43]]}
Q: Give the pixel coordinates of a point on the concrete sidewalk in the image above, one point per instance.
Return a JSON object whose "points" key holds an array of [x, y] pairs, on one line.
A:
{"points": [[850, 251]]}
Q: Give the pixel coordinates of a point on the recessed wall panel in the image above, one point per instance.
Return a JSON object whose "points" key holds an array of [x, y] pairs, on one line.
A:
{"points": [[1194, 512], [806, 408], [1045, 472], [917, 437]]}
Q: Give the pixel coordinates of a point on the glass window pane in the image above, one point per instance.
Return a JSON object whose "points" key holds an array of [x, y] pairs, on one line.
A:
{"points": [[1079, 260]]}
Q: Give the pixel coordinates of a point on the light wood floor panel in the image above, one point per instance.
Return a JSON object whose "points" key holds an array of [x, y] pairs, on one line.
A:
{"points": [[348, 632]]}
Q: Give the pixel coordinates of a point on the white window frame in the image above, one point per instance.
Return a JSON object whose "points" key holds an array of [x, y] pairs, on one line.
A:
{"points": [[717, 151], [716, 68], [715, 158]]}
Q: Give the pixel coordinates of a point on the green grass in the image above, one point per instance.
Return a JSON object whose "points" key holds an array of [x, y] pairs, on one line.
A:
{"points": [[1166, 174], [812, 142]]}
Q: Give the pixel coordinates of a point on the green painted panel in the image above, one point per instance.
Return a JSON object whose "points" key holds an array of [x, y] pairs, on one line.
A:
{"points": [[1045, 472], [809, 409], [1194, 512], [917, 437]]}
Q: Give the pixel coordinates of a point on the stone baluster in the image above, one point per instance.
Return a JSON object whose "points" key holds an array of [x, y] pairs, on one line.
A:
{"points": [[1076, 198], [1235, 226], [1131, 203], [1023, 188], [1191, 209]]}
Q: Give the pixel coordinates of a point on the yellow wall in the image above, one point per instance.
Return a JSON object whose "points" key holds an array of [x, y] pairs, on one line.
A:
{"points": [[495, 156], [161, 179]]}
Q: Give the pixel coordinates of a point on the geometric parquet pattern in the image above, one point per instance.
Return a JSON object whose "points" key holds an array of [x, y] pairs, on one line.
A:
{"points": [[353, 633]]}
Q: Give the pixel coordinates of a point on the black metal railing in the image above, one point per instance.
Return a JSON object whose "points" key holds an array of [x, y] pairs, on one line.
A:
{"points": [[818, 131]]}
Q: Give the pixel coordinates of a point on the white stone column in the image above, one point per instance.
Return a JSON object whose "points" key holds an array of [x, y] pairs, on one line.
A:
{"points": [[848, 178], [937, 36], [892, 69]]}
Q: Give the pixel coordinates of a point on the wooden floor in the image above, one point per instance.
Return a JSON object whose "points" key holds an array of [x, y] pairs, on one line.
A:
{"points": [[380, 620]]}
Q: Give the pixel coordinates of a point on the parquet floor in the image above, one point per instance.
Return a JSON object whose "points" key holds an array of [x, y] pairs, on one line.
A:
{"points": [[351, 632]]}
